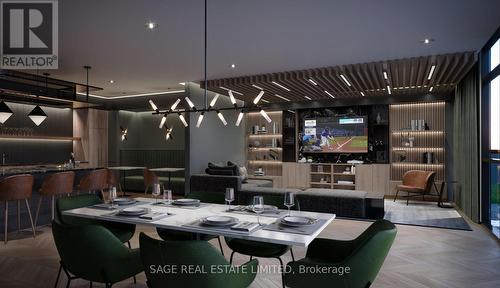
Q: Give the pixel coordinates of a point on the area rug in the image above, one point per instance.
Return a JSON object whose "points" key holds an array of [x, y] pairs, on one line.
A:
{"points": [[426, 214]]}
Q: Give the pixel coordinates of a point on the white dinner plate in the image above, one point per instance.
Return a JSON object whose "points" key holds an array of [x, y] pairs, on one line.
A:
{"points": [[219, 220], [297, 221], [133, 211], [267, 208], [124, 201], [186, 202]]}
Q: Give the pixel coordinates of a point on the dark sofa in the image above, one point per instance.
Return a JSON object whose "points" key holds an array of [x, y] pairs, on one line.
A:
{"points": [[343, 203]]}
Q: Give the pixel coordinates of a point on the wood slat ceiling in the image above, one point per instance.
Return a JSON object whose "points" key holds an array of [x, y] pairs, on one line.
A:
{"points": [[405, 77]]}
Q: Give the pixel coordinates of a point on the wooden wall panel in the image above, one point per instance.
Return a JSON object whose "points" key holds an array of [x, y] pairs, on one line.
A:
{"points": [[92, 126], [296, 175]]}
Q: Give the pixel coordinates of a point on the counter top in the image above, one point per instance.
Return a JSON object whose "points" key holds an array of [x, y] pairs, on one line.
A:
{"points": [[40, 169]]}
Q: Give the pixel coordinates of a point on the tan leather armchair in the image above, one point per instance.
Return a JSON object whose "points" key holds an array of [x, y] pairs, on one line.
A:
{"points": [[150, 178], [416, 182]]}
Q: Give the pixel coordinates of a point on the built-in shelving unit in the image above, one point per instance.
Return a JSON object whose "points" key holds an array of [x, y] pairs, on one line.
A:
{"points": [[31, 137], [326, 175], [264, 143], [408, 144]]}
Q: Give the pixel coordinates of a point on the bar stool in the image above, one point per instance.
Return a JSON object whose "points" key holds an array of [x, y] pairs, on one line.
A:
{"points": [[54, 185], [16, 188], [150, 179], [113, 180], [93, 181]]}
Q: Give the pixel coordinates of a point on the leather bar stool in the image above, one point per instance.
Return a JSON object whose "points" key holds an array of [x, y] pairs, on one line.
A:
{"points": [[150, 179], [94, 181], [113, 180], [16, 188], [55, 185]]}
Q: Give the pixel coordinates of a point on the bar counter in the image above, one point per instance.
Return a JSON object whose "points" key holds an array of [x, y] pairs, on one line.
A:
{"points": [[39, 172]]}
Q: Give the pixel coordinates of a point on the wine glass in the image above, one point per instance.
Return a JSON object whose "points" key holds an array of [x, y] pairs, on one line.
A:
{"points": [[156, 191], [167, 197], [289, 201], [229, 196], [112, 195], [258, 206]]}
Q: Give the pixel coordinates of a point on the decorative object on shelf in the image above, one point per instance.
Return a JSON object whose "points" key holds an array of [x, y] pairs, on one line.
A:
{"points": [[5, 112], [378, 119], [428, 158], [410, 141]]}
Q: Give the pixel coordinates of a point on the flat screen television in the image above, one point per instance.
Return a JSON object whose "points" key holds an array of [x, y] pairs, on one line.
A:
{"points": [[335, 135]]}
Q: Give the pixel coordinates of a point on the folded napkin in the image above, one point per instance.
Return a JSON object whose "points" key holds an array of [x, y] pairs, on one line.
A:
{"points": [[245, 226]]}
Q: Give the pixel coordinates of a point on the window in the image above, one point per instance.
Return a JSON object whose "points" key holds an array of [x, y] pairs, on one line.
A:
{"points": [[495, 55], [495, 114]]}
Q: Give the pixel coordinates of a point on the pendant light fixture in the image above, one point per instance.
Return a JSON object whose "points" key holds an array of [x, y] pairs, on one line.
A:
{"points": [[124, 132], [5, 112], [37, 115]]}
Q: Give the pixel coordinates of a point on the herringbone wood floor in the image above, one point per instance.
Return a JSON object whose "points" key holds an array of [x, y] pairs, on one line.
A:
{"points": [[420, 257]]}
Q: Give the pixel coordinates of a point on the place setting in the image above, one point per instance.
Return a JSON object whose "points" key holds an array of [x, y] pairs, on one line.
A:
{"points": [[268, 210], [167, 201], [223, 222], [115, 202]]}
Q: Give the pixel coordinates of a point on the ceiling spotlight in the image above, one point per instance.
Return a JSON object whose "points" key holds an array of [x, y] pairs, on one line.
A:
{"points": [[233, 66], [221, 117], [183, 120], [329, 94], [200, 119], [345, 80], [124, 133], [307, 97], [427, 40], [162, 122], [385, 76], [231, 96], [153, 105], [257, 99], [281, 86], [240, 117], [111, 81], [264, 114], [431, 72], [388, 89], [191, 105], [214, 100], [5, 112], [312, 82], [37, 115], [281, 97], [175, 104], [362, 94], [258, 87], [151, 25]]}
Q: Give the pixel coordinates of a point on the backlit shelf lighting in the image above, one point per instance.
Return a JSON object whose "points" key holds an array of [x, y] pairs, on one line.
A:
{"points": [[264, 162], [265, 148], [410, 164], [265, 135], [418, 105], [418, 148], [417, 132]]}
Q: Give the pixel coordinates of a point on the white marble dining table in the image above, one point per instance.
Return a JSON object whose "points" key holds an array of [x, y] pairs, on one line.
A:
{"points": [[182, 217]]}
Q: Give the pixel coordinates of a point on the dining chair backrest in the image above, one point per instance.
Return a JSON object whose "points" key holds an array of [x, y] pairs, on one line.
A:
{"points": [[94, 180], [111, 178], [73, 202], [419, 179], [58, 183], [16, 187], [150, 177]]}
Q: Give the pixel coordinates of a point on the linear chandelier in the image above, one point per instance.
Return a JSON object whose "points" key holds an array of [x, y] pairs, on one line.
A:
{"points": [[207, 108]]}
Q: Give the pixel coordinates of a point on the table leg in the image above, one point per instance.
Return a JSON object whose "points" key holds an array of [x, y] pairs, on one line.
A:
{"points": [[440, 200], [125, 184], [169, 183]]}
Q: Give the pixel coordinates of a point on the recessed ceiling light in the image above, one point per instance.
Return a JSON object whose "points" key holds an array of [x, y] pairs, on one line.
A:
{"points": [[427, 40], [431, 72], [329, 94], [111, 81], [281, 97], [182, 83], [312, 81], [258, 87], [233, 65], [151, 25], [281, 86], [345, 80], [308, 98], [385, 76], [362, 94], [388, 89]]}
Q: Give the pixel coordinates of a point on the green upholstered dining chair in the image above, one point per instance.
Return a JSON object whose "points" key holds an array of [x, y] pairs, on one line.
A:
{"points": [[262, 249], [364, 256], [158, 254], [174, 235], [122, 231], [93, 253]]}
